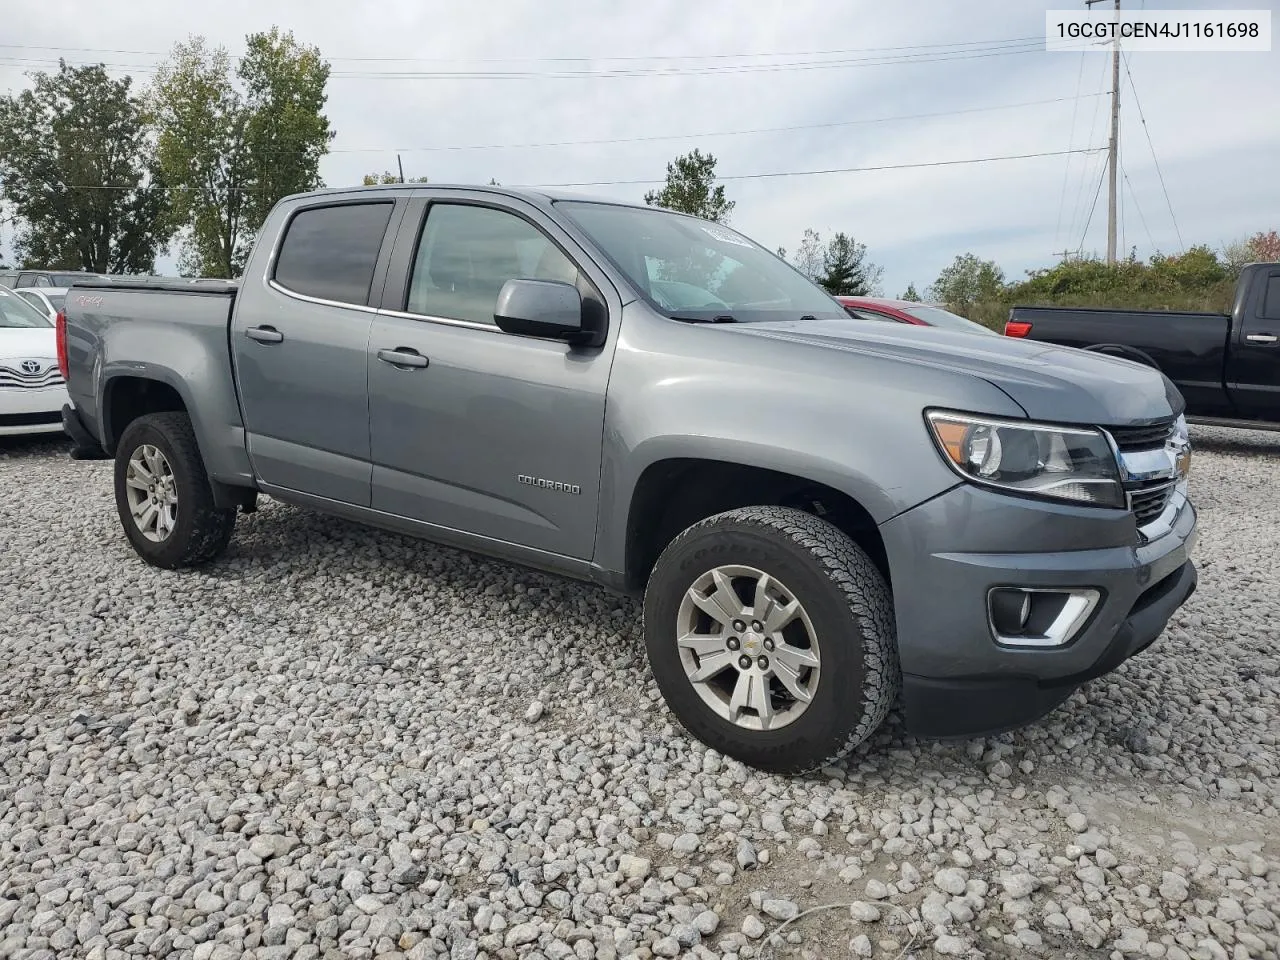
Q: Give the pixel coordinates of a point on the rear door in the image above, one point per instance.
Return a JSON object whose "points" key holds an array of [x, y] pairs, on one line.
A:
{"points": [[1253, 363], [473, 429], [300, 343]]}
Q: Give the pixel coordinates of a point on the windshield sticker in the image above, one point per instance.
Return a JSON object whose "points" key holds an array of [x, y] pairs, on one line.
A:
{"points": [[724, 236]]}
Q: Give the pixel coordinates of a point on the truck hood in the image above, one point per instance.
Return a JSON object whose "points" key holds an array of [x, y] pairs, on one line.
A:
{"points": [[28, 343], [1060, 384]]}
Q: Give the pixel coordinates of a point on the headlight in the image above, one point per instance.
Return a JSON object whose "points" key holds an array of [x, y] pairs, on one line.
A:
{"points": [[1075, 464]]}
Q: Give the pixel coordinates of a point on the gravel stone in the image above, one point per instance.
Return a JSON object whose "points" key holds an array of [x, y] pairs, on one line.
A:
{"points": [[780, 909], [753, 927], [951, 880]]}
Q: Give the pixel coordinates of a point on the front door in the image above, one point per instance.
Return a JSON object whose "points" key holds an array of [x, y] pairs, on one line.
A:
{"points": [[300, 347], [1253, 364], [473, 429]]}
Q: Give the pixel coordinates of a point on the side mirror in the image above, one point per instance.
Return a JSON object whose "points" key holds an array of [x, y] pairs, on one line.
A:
{"points": [[540, 308]]}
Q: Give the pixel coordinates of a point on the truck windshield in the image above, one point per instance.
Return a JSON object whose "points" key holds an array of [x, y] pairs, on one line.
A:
{"points": [[698, 270], [16, 312]]}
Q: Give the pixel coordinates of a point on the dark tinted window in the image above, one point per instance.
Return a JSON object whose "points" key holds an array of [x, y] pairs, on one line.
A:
{"points": [[467, 253], [330, 252], [1271, 306]]}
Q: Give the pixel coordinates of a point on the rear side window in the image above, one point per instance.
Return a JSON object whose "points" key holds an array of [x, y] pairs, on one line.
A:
{"points": [[1271, 305], [330, 252]]}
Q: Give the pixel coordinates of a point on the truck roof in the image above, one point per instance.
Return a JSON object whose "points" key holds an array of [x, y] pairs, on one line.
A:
{"points": [[536, 194]]}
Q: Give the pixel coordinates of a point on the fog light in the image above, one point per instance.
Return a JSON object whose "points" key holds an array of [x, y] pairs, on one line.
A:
{"points": [[1036, 617]]}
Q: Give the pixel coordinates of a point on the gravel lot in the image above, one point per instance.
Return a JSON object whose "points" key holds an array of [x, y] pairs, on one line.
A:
{"points": [[342, 743]]}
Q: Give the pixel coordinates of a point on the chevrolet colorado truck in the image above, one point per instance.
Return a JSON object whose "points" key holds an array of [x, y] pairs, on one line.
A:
{"points": [[1227, 366], [822, 515]]}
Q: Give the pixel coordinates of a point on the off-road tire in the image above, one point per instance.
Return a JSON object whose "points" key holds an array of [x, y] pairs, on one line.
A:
{"points": [[847, 600], [202, 531]]}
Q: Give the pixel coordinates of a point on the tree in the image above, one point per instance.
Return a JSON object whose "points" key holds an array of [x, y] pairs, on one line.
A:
{"points": [[808, 259], [1265, 246], [691, 188], [911, 294], [968, 280], [782, 253], [230, 153], [372, 179], [846, 270], [79, 174]]}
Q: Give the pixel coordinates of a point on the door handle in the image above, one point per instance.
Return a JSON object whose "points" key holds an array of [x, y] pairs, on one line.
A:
{"points": [[264, 334], [403, 357], [1261, 337]]}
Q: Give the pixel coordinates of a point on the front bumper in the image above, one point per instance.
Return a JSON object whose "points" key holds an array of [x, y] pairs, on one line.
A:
{"points": [[29, 410], [957, 680]]}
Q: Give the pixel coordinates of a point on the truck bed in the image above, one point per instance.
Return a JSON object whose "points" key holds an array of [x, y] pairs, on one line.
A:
{"points": [[1190, 348], [158, 331]]}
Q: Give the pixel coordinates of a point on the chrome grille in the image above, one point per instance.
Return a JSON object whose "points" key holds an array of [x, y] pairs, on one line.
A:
{"points": [[16, 378], [1149, 499], [1141, 438]]}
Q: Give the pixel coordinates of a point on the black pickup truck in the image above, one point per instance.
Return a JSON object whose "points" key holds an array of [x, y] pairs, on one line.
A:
{"points": [[1227, 366]]}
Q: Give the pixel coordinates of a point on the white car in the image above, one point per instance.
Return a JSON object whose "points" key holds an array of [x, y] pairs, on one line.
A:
{"points": [[48, 300], [32, 391]]}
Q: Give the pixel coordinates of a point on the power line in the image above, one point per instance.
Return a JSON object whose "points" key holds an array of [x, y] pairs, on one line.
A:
{"points": [[1155, 159], [1071, 142], [617, 73], [1138, 206], [1094, 206], [597, 59], [1078, 208], [741, 176], [701, 135], [814, 173]]}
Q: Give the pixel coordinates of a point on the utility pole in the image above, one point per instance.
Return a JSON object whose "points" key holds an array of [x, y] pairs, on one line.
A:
{"points": [[1064, 254], [400, 162], [1113, 148]]}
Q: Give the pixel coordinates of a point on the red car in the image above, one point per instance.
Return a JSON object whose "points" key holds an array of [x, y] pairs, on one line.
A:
{"points": [[909, 311]]}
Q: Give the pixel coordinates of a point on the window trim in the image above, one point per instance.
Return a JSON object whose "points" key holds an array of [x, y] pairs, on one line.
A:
{"points": [[415, 242], [1269, 278], [367, 306]]}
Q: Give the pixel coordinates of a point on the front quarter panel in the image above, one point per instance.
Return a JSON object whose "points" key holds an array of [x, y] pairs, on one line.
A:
{"points": [[851, 422]]}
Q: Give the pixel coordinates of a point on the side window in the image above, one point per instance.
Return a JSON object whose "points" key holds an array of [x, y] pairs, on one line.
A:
{"points": [[43, 282], [1271, 304], [466, 254], [331, 252]]}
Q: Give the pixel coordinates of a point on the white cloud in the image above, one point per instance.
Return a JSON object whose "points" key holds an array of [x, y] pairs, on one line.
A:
{"points": [[1208, 114]]}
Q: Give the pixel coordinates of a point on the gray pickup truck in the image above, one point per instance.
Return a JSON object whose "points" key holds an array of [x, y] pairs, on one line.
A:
{"points": [[821, 513]]}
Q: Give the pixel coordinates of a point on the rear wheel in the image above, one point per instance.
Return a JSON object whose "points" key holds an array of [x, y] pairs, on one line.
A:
{"points": [[163, 494], [770, 634]]}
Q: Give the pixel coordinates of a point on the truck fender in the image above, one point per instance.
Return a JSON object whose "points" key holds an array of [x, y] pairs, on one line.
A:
{"points": [[1123, 352]]}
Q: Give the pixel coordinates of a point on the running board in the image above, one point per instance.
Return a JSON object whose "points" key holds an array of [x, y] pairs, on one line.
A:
{"points": [[1235, 424]]}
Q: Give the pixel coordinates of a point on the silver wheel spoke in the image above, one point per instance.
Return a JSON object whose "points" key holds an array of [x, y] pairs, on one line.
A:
{"points": [[763, 603], [711, 664], [752, 693], [780, 615], [702, 644], [791, 680], [794, 657], [718, 604], [131, 480], [138, 470], [148, 518]]}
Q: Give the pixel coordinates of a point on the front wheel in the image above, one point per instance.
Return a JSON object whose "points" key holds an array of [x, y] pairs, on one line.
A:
{"points": [[163, 494], [770, 634]]}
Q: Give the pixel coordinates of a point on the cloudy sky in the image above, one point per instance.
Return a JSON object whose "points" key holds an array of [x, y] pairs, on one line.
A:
{"points": [[573, 92]]}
